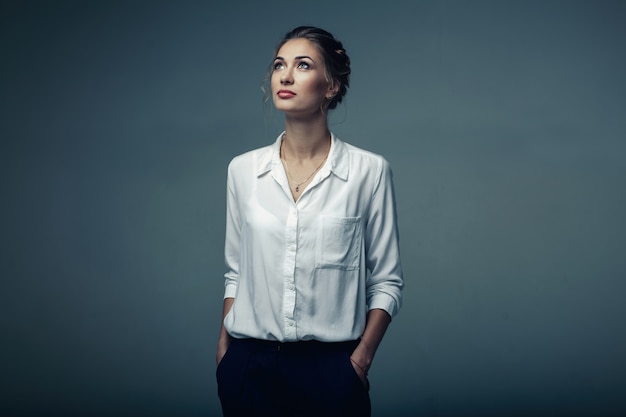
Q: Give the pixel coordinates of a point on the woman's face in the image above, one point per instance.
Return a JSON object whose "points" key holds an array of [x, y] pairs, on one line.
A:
{"points": [[299, 84]]}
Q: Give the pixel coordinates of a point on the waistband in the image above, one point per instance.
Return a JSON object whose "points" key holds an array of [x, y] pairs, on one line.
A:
{"points": [[307, 346]]}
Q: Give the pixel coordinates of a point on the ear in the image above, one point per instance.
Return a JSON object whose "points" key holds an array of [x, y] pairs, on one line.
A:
{"points": [[333, 88]]}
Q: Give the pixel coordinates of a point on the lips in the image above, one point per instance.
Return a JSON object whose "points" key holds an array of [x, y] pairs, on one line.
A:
{"points": [[285, 93]]}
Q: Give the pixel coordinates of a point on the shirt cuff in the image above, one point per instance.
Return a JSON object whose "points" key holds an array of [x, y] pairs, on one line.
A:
{"points": [[230, 291], [384, 302]]}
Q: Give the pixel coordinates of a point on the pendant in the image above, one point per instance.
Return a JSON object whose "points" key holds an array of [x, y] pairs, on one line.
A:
{"points": [[297, 188]]}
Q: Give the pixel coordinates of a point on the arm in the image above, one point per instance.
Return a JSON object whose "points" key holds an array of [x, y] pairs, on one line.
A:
{"points": [[385, 282], [224, 340], [231, 254]]}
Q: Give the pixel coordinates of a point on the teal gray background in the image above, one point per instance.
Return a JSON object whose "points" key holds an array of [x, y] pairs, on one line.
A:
{"points": [[504, 122]]}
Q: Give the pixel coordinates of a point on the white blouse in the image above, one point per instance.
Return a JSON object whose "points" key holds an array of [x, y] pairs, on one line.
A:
{"points": [[299, 270]]}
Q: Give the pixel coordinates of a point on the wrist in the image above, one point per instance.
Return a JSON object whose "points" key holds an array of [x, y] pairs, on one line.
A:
{"points": [[224, 338], [363, 354], [363, 368]]}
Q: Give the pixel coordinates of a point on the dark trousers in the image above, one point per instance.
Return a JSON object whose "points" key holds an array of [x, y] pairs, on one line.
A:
{"points": [[263, 378]]}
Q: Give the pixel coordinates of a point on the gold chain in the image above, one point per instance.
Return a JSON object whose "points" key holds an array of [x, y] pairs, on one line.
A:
{"points": [[291, 180], [298, 184]]}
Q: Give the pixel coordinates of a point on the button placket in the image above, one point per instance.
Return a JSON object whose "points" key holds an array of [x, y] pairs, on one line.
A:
{"points": [[289, 288]]}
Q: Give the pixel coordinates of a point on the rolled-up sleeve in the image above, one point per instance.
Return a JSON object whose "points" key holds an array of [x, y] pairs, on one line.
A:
{"points": [[382, 249], [232, 247]]}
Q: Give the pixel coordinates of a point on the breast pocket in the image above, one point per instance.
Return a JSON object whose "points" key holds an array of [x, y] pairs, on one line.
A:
{"points": [[338, 243]]}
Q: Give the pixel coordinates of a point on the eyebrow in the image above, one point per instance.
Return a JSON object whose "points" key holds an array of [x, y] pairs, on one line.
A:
{"points": [[298, 57]]}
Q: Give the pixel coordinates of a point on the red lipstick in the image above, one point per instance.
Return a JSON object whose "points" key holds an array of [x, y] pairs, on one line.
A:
{"points": [[285, 93]]}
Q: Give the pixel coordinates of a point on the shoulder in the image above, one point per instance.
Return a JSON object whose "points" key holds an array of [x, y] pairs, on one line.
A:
{"points": [[249, 161], [365, 167], [364, 154], [364, 160]]}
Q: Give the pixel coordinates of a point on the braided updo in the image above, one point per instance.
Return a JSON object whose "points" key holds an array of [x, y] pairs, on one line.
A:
{"points": [[336, 60]]}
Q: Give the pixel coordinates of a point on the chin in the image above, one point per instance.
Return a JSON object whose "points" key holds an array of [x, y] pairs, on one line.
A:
{"points": [[281, 105], [285, 107], [289, 108]]}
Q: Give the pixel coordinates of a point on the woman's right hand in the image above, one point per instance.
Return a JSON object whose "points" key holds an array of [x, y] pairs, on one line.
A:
{"points": [[224, 341], [222, 347]]}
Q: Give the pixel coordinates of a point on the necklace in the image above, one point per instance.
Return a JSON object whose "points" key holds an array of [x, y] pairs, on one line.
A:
{"points": [[298, 184]]}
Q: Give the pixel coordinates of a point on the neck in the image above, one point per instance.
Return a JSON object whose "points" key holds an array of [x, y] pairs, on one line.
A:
{"points": [[306, 140]]}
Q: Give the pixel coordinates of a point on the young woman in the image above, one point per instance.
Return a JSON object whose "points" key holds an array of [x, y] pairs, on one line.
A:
{"points": [[307, 218]]}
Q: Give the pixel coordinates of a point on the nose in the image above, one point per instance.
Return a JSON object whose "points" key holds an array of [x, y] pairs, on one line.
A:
{"points": [[286, 77]]}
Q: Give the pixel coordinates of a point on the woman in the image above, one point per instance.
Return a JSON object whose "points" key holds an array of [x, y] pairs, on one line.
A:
{"points": [[307, 217]]}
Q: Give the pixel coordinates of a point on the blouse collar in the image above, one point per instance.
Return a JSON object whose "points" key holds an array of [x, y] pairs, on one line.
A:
{"points": [[337, 161]]}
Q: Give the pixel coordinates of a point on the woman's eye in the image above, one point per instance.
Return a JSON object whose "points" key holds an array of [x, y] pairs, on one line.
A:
{"points": [[278, 65], [304, 65]]}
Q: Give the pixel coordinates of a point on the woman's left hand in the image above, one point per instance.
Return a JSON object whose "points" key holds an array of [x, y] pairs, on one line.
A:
{"points": [[361, 358]]}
